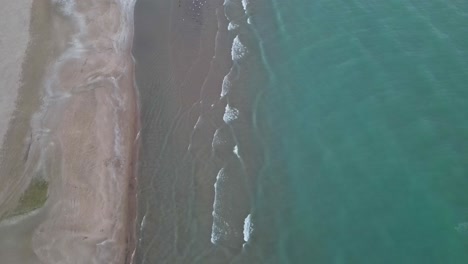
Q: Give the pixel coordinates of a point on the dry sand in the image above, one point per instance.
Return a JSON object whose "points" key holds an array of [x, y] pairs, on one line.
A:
{"points": [[14, 38], [90, 115], [83, 139]]}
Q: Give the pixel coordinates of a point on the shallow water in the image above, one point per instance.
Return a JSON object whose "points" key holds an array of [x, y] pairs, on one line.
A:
{"points": [[338, 128]]}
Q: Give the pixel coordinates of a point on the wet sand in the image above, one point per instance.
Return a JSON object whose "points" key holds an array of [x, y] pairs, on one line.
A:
{"points": [[82, 138], [180, 67]]}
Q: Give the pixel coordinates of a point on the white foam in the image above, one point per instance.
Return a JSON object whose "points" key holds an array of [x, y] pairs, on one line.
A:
{"points": [[230, 114], [220, 227], [236, 151], [142, 225], [245, 3], [198, 123], [238, 50], [232, 26], [226, 87], [215, 234], [219, 178], [248, 228], [218, 139]]}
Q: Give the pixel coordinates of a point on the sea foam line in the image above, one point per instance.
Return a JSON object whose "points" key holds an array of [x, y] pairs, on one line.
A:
{"points": [[248, 228]]}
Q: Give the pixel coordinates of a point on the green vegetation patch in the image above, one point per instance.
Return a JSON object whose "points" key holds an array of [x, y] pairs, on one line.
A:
{"points": [[33, 198]]}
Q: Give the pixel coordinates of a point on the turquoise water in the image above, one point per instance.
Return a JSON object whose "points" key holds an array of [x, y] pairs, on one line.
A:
{"points": [[367, 105], [302, 131]]}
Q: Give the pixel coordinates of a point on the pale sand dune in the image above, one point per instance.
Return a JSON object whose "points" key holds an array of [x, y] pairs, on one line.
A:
{"points": [[14, 38]]}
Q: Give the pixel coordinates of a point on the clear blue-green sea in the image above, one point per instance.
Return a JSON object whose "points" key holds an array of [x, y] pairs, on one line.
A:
{"points": [[303, 131], [370, 101]]}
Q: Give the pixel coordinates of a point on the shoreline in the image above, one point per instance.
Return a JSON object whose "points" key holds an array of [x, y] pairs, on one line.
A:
{"points": [[132, 202], [180, 70]]}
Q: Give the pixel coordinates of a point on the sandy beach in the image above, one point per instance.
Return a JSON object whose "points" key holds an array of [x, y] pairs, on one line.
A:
{"points": [[81, 137], [90, 111]]}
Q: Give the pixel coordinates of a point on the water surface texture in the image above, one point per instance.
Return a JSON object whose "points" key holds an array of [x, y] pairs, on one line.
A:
{"points": [[302, 131]]}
